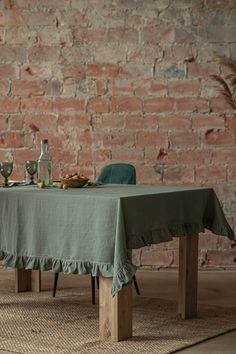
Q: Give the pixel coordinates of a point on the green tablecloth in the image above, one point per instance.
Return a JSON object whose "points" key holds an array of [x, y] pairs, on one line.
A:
{"points": [[89, 230]]}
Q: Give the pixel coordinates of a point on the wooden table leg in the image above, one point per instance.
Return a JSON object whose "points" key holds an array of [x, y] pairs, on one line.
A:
{"points": [[188, 276], [115, 313], [27, 280]]}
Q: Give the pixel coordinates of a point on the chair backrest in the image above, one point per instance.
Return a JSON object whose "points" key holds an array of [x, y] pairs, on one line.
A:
{"points": [[118, 173]]}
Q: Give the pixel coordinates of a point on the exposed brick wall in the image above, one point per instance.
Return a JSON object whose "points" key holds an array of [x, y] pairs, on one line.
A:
{"points": [[123, 80]]}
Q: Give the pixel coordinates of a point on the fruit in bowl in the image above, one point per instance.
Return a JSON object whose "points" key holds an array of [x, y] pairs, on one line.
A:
{"points": [[74, 180]]}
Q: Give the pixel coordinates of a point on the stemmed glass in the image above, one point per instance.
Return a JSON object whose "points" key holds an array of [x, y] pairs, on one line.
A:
{"points": [[31, 167], [6, 170]]}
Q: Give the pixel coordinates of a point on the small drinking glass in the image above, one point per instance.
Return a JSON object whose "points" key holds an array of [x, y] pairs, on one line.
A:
{"points": [[6, 170], [31, 167]]}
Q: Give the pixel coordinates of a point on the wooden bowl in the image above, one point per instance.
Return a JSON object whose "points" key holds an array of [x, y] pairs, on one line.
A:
{"points": [[74, 183]]}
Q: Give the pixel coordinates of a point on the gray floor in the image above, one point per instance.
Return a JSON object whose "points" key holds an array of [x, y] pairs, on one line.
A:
{"points": [[215, 287]]}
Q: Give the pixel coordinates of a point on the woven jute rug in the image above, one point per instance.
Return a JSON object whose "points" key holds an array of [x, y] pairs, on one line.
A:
{"points": [[37, 323]]}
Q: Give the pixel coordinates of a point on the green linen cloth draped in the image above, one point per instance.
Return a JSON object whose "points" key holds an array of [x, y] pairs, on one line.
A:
{"points": [[90, 229]]}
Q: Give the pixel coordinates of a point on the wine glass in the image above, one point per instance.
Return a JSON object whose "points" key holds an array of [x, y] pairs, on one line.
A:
{"points": [[6, 170], [31, 167]]}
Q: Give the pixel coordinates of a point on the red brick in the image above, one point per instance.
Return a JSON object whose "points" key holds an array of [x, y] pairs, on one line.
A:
{"points": [[136, 70], [26, 36], [184, 139], [36, 104], [164, 156], [208, 241], [77, 54], [126, 104], [183, 35], [108, 121], [117, 139], [68, 122], [98, 105], [3, 121], [62, 156], [69, 105], [159, 105], [16, 122], [179, 52], [192, 105], [211, 173], [39, 18], [75, 71], [224, 155], [103, 70], [15, 140], [84, 138], [231, 173], [221, 258], [232, 122], [158, 35], [202, 70], [89, 35], [179, 175], [151, 156], [12, 17], [174, 122], [147, 174], [53, 87], [220, 105], [219, 138], [36, 71], [8, 71], [194, 157], [135, 122], [2, 36], [121, 87], [184, 88], [207, 121], [148, 54], [48, 36], [220, 4], [127, 154], [158, 258], [76, 18], [85, 157], [8, 105], [146, 122], [4, 87], [121, 34], [44, 122], [156, 139], [151, 87], [44, 54], [101, 87], [28, 88], [21, 155], [13, 54], [55, 140], [101, 155]]}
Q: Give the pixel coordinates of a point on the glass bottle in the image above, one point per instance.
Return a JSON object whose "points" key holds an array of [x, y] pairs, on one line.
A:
{"points": [[45, 165]]}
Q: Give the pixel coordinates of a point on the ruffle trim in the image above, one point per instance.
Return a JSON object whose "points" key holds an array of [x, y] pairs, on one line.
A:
{"points": [[166, 233], [122, 277]]}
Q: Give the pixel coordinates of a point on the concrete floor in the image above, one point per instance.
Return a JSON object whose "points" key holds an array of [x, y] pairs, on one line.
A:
{"points": [[215, 287]]}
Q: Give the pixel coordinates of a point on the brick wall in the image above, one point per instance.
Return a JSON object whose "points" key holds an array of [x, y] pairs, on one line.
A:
{"points": [[123, 80]]}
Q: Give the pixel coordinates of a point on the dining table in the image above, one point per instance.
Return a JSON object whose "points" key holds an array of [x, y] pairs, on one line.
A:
{"points": [[92, 230]]}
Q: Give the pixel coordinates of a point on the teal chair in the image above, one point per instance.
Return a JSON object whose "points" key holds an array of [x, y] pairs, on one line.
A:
{"points": [[116, 173]]}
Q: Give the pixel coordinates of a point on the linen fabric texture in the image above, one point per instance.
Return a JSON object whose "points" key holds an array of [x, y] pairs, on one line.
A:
{"points": [[91, 229]]}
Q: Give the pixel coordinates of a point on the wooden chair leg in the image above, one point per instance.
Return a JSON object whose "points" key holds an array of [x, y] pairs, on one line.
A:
{"points": [[93, 289], [56, 275], [136, 285], [97, 278]]}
